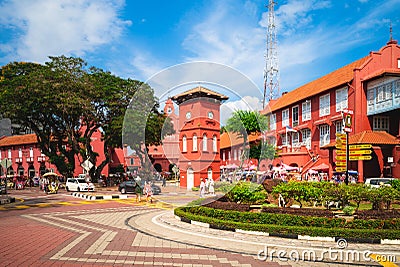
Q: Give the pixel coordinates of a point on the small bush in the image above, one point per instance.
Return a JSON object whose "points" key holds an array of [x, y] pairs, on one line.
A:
{"points": [[348, 210], [247, 192]]}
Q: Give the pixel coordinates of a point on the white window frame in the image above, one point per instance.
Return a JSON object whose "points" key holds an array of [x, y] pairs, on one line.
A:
{"points": [[204, 142], [341, 99], [223, 155], [19, 152], [295, 139], [295, 117], [339, 126], [215, 148], [31, 152], [194, 145], [285, 139], [272, 122], [184, 143], [306, 111], [324, 134], [285, 117], [9, 154], [306, 137], [381, 123], [324, 105]]}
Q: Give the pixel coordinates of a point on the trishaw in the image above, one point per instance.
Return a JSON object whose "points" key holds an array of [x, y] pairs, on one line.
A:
{"points": [[51, 182]]}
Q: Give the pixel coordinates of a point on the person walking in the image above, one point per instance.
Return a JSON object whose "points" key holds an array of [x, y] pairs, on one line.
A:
{"points": [[138, 192], [148, 191], [202, 188], [211, 189]]}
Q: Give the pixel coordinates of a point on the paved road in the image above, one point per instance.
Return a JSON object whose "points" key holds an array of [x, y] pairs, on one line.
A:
{"points": [[60, 230]]}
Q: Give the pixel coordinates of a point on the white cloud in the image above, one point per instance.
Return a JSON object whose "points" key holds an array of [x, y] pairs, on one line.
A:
{"points": [[48, 27], [295, 15], [246, 103]]}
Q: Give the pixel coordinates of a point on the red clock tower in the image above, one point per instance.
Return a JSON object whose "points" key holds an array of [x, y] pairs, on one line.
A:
{"points": [[199, 135]]}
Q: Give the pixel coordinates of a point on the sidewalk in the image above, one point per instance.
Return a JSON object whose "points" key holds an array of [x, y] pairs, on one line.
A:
{"points": [[165, 224]]}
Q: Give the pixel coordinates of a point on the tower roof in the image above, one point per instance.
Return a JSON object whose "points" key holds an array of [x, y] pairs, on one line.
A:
{"points": [[196, 93]]}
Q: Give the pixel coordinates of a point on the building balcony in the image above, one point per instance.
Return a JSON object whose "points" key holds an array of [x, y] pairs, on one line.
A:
{"points": [[18, 160], [29, 160]]}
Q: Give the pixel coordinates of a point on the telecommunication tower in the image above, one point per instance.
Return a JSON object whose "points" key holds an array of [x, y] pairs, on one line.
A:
{"points": [[271, 70]]}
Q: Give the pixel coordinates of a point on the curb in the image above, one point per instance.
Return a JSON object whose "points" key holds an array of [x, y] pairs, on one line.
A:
{"points": [[293, 236], [99, 197]]}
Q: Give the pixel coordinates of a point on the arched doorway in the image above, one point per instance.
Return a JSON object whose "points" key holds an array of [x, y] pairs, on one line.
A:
{"points": [[42, 169], [31, 171], [20, 170], [190, 179], [158, 167]]}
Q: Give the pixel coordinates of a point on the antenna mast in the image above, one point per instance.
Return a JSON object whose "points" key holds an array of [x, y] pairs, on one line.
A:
{"points": [[271, 71]]}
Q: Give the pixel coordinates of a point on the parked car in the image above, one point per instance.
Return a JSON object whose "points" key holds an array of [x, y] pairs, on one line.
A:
{"points": [[378, 182], [129, 187], [78, 184]]}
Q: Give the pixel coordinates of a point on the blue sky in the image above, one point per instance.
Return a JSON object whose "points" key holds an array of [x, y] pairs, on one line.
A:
{"points": [[138, 39]]}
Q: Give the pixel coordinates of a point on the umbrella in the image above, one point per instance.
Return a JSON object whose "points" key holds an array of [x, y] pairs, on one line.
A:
{"points": [[289, 168], [321, 167], [253, 167], [50, 174]]}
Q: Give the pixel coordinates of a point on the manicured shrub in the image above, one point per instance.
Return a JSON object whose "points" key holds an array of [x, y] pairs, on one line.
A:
{"points": [[183, 212], [348, 210], [247, 192]]}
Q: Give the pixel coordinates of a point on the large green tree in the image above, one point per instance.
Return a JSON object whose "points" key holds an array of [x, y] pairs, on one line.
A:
{"points": [[245, 123], [145, 126], [64, 102], [44, 99]]}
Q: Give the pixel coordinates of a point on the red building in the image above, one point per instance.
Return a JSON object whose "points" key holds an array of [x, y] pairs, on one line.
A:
{"points": [[199, 135], [232, 152], [304, 123], [167, 154], [27, 160], [25, 156]]}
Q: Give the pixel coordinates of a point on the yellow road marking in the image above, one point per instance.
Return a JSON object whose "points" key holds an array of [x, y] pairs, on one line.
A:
{"points": [[383, 260], [21, 207]]}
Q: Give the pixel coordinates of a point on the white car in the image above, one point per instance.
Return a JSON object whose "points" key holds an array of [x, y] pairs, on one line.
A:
{"points": [[79, 184], [378, 182]]}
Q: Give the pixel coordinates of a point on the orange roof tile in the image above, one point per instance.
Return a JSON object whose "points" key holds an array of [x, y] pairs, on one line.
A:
{"points": [[228, 140], [369, 137], [374, 138], [198, 91], [331, 80], [18, 140]]}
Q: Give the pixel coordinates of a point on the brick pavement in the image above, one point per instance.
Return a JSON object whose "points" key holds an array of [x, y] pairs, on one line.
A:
{"points": [[97, 235], [122, 233]]}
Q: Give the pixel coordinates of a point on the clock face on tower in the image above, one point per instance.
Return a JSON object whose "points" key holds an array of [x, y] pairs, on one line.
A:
{"points": [[210, 115], [188, 115]]}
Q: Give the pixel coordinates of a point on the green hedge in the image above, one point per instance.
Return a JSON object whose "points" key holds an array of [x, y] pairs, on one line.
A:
{"points": [[289, 224]]}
